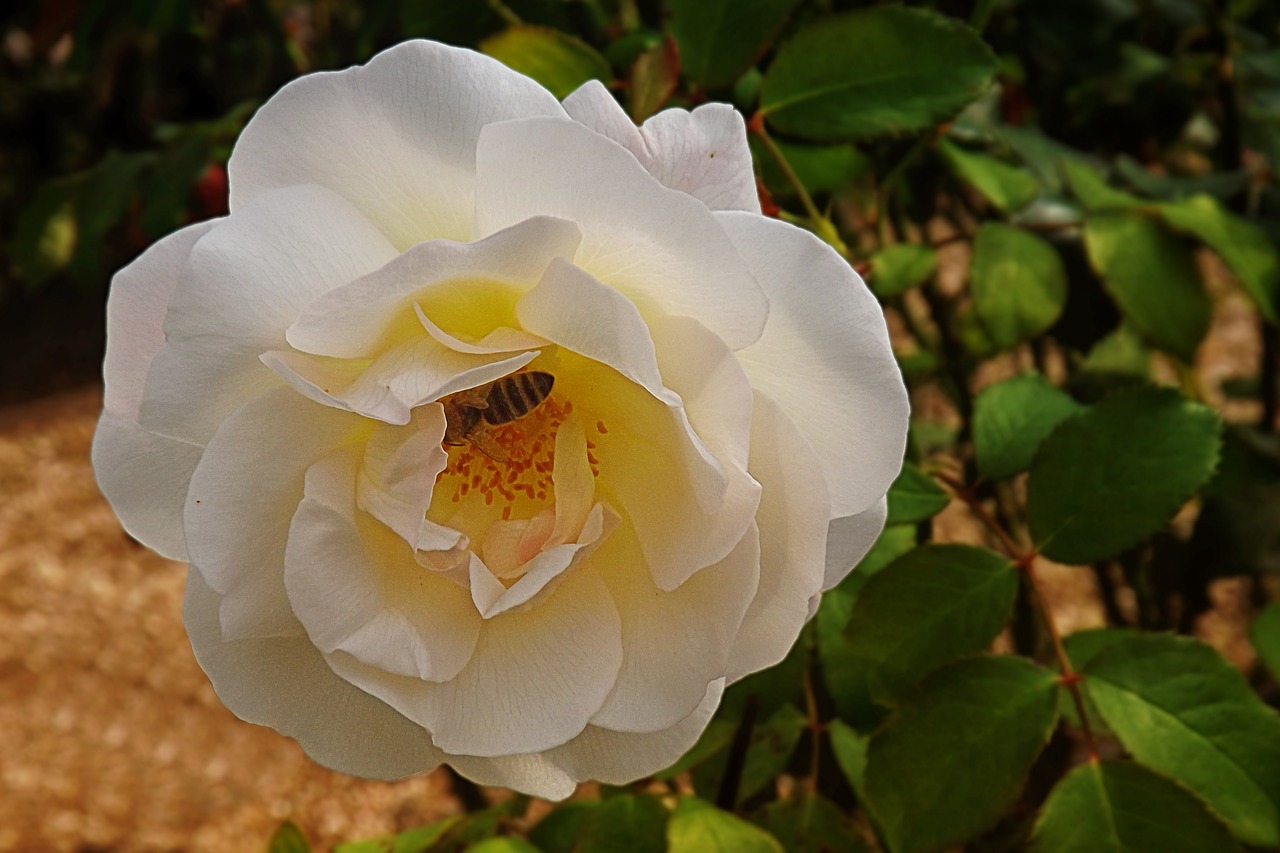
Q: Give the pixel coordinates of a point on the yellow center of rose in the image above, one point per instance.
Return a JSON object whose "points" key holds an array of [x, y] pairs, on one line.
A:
{"points": [[529, 445]]}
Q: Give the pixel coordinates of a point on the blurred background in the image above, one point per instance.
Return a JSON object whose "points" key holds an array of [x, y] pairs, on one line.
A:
{"points": [[116, 121]]}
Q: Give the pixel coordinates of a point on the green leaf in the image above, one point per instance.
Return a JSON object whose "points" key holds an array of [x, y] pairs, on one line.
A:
{"points": [[654, 77], [1120, 353], [560, 830], [1012, 418], [503, 845], [930, 606], [1093, 191], [288, 839], [850, 748], [810, 823], [845, 673], [699, 827], [559, 61], [1265, 634], [772, 743], [416, 840], [1006, 186], [1153, 279], [721, 39], [636, 824], [915, 497], [1238, 529], [1186, 713], [1107, 478], [1118, 807], [820, 168], [1019, 283], [875, 71], [1082, 647], [899, 268], [1242, 245], [952, 760]]}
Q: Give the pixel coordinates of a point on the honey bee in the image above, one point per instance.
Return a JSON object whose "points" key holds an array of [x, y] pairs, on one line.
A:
{"points": [[469, 415]]}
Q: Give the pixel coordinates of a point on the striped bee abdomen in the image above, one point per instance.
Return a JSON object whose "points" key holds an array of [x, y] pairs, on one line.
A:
{"points": [[515, 396]]}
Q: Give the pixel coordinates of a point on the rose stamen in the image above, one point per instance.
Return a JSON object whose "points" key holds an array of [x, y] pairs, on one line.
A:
{"points": [[529, 445]]}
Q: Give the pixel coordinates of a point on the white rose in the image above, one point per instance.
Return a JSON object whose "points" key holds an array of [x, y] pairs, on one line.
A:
{"points": [[725, 419]]}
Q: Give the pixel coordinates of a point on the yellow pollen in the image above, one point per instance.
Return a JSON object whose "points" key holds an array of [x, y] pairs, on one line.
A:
{"points": [[529, 444]]}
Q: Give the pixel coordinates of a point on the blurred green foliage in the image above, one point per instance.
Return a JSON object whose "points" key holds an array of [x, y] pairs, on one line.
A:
{"points": [[1051, 198]]}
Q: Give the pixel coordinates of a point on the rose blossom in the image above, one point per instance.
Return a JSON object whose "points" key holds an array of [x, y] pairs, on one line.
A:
{"points": [[570, 603]]}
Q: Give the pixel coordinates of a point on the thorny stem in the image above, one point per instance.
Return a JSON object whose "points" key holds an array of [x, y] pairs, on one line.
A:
{"points": [[1025, 559], [727, 796], [817, 219], [503, 11], [890, 182], [816, 728]]}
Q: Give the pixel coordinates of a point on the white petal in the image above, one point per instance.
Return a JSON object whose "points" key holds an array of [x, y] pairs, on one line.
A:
{"points": [[793, 536], [674, 643], [660, 247], [354, 321], [536, 677], [703, 153], [545, 572], [616, 758], [242, 497], [572, 309], [654, 479], [136, 308], [408, 375], [357, 589], [145, 476], [825, 358], [283, 682], [398, 475], [396, 137], [243, 284], [501, 339], [850, 538], [592, 105]]}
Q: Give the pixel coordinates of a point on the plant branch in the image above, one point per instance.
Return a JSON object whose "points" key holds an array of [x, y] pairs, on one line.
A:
{"points": [[817, 219], [727, 796], [816, 727], [1025, 559], [503, 11]]}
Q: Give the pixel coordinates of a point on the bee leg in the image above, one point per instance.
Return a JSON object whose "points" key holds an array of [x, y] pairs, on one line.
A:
{"points": [[484, 442]]}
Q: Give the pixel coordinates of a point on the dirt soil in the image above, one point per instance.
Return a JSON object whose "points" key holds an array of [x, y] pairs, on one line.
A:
{"points": [[110, 736]]}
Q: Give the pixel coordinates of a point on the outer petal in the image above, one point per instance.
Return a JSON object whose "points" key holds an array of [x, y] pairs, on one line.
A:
{"points": [[149, 507], [243, 495], [793, 536], [283, 682], [244, 283], [659, 246], [396, 137], [357, 589], [611, 757], [703, 153], [536, 678], [674, 643], [825, 358], [850, 538]]}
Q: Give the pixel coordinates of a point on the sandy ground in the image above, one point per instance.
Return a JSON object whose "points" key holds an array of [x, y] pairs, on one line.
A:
{"points": [[110, 736]]}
